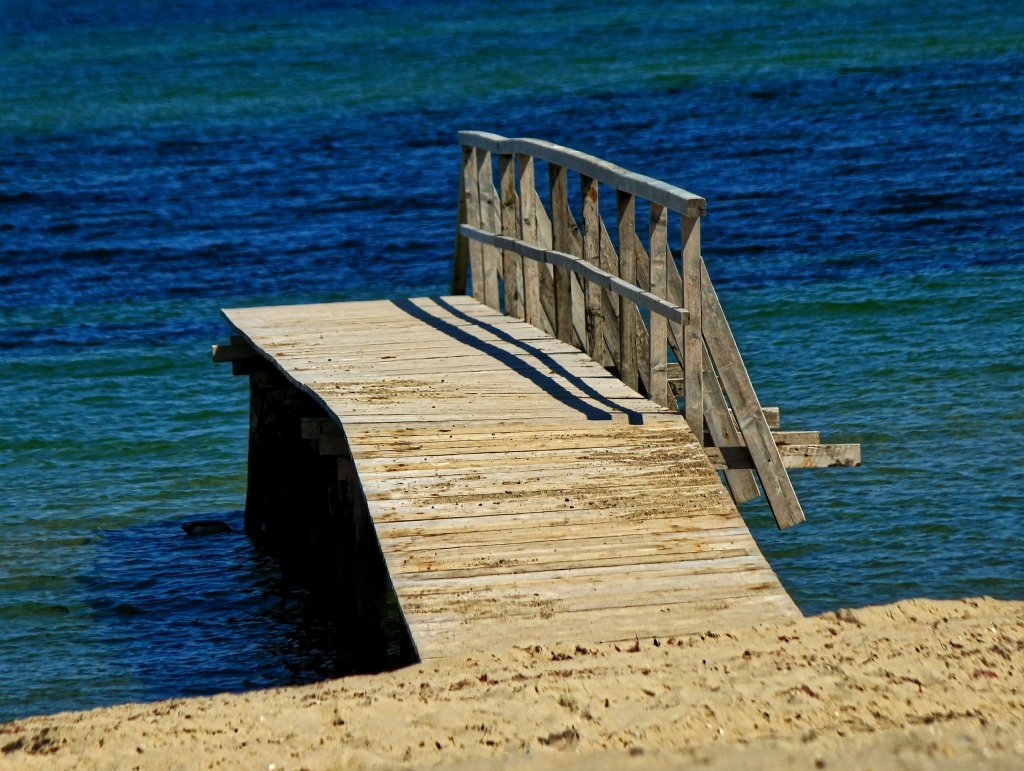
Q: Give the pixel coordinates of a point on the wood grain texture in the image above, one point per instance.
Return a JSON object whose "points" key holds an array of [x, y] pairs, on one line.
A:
{"points": [[757, 436], [561, 242], [512, 263], [471, 193], [659, 288], [519, 492], [490, 219]]}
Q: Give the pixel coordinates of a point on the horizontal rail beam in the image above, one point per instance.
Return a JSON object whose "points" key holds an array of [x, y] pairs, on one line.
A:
{"points": [[582, 268], [648, 188], [793, 456]]}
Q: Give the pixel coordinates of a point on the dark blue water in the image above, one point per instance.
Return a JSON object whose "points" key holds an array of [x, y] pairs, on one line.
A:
{"points": [[861, 162]]}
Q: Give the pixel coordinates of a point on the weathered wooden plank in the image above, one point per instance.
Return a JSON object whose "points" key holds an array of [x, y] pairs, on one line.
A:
{"points": [[471, 192], [793, 456], [659, 287], [669, 196], [796, 437], [512, 262], [460, 261], [489, 222], [595, 322], [488, 477], [725, 432], [560, 242], [627, 364], [529, 232], [580, 267], [775, 482], [609, 261], [693, 342]]}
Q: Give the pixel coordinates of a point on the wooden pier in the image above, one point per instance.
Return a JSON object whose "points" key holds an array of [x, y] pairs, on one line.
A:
{"points": [[536, 462]]}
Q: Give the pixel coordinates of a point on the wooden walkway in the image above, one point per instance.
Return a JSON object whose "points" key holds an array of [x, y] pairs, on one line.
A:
{"points": [[520, 493]]}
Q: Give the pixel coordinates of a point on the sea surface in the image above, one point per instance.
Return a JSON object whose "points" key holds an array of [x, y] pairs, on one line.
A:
{"points": [[862, 163]]}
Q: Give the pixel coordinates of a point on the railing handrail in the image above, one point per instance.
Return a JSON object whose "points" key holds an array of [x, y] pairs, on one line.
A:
{"points": [[584, 269], [671, 197]]}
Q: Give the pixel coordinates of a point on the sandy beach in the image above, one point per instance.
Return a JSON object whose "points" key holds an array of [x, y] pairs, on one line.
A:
{"points": [[917, 684]]}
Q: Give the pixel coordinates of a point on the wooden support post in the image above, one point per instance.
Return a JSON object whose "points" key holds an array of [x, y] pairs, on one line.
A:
{"points": [[659, 324], [471, 190], [489, 222], [626, 205], [512, 263], [561, 242], [693, 336]]}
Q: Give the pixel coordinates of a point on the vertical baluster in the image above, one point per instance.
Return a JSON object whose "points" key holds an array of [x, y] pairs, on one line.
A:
{"points": [[487, 207], [512, 263], [561, 242], [460, 263], [529, 225], [471, 189], [626, 205], [594, 323], [659, 286], [693, 338]]}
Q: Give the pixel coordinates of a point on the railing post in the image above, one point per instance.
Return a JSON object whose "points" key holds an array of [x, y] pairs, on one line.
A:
{"points": [[659, 287], [561, 242], [595, 320], [471, 191], [488, 222], [512, 263], [693, 336], [626, 206], [529, 228], [460, 262]]}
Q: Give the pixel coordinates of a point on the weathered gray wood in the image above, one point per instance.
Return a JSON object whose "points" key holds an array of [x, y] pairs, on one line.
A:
{"points": [[656, 191], [460, 261], [471, 191], [793, 456], [627, 364], [592, 254], [577, 266], [775, 482], [725, 432], [659, 287], [512, 262], [643, 338], [693, 342], [524, 493], [489, 223], [796, 437], [528, 228], [557, 181], [609, 260]]}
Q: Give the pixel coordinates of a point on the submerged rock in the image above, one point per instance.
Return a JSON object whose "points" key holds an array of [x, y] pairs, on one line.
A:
{"points": [[206, 527]]}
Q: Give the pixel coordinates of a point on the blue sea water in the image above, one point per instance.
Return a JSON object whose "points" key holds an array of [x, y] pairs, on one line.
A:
{"points": [[158, 161]]}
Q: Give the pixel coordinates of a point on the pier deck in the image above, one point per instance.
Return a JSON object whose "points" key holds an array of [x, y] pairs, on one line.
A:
{"points": [[519, 492]]}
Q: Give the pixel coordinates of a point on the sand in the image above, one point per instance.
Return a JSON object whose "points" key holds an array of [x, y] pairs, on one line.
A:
{"points": [[918, 684]]}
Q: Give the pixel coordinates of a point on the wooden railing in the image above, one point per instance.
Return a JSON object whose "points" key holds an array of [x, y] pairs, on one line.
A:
{"points": [[629, 304]]}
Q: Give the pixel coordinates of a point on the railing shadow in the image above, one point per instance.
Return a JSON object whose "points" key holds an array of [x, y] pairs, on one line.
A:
{"points": [[533, 374]]}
